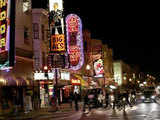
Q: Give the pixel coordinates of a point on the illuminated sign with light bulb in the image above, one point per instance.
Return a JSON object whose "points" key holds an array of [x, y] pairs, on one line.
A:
{"points": [[3, 25], [74, 41], [75, 82], [7, 16]]}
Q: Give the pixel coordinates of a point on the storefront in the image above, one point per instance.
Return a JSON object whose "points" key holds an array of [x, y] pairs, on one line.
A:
{"points": [[44, 87], [13, 91], [76, 83], [49, 90]]}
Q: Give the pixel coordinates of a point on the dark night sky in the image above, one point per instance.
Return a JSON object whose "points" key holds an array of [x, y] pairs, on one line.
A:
{"points": [[130, 28]]}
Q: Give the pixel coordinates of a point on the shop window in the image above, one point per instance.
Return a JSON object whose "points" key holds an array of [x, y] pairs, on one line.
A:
{"points": [[26, 35], [43, 34]]}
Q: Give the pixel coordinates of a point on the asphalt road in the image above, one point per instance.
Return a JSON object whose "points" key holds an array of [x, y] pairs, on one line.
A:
{"points": [[142, 111]]}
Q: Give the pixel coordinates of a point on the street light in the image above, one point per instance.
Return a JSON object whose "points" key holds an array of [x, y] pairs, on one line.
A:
{"points": [[144, 83], [88, 67], [45, 68]]}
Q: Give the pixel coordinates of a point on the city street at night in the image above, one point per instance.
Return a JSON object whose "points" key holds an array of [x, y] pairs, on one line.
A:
{"points": [[143, 111], [79, 60]]}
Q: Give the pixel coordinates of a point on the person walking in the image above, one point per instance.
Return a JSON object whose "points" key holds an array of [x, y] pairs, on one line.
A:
{"points": [[70, 99], [107, 99], [86, 102], [76, 101], [100, 99]]}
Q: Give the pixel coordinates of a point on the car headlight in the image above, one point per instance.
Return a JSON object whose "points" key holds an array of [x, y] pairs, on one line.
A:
{"points": [[124, 99], [153, 97], [142, 97]]}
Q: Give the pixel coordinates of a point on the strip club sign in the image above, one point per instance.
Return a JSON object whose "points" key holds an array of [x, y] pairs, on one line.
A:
{"points": [[74, 41]]}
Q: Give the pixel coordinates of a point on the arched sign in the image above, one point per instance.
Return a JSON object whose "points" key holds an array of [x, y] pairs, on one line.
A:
{"points": [[74, 41]]}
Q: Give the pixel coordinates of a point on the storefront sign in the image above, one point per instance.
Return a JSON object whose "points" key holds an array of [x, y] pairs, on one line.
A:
{"points": [[58, 43], [41, 76], [65, 75], [74, 41], [75, 82]]}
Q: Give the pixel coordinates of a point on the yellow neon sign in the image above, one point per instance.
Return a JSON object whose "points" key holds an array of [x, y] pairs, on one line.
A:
{"points": [[3, 15], [3, 23], [2, 3]]}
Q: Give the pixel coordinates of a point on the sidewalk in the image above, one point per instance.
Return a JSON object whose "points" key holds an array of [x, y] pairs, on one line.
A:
{"points": [[63, 108]]}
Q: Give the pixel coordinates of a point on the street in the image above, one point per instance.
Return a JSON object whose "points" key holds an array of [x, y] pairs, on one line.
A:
{"points": [[143, 111]]}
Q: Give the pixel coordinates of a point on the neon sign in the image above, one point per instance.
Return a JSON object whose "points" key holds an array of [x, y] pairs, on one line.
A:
{"points": [[75, 82], [3, 25], [74, 55], [7, 17], [58, 43], [74, 41]]}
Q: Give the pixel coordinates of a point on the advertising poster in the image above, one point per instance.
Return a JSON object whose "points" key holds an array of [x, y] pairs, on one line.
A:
{"points": [[56, 26], [56, 17], [98, 68], [74, 41], [7, 33]]}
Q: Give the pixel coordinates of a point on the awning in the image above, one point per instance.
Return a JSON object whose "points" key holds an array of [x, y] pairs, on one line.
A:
{"points": [[21, 81], [12, 80]]}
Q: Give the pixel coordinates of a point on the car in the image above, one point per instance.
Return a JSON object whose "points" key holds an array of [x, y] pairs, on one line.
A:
{"points": [[93, 97], [148, 96]]}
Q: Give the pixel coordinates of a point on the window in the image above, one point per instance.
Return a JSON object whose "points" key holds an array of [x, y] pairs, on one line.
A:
{"points": [[26, 36], [43, 33]]}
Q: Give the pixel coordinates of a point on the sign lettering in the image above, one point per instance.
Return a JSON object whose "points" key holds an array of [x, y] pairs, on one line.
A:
{"points": [[58, 43]]}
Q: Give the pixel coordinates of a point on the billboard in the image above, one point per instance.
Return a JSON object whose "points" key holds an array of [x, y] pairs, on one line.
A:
{"points": [[58, 43], [7, 33], [56, 17], [74, 41], [99, 68], [56, 26]]}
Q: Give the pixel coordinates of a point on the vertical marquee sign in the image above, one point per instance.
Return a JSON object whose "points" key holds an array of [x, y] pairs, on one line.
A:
{"points": [[56, 24], [7, 33], [74, 41]]}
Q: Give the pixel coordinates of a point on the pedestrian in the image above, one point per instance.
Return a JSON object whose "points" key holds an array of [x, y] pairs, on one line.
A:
{"points": [[114, 99], [107, 99], [126, 95], [86, 102], [100, 99], [76, 101], [70, 99]]}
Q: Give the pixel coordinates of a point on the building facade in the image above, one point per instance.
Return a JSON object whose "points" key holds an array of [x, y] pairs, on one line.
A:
{"points": [[17, 83]]}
